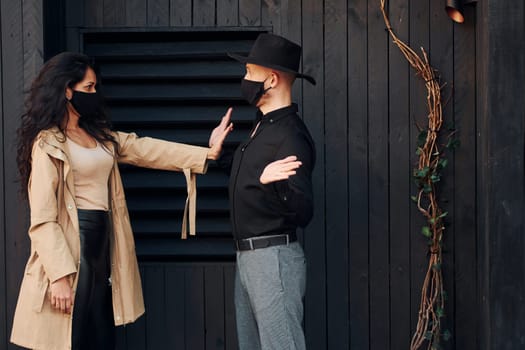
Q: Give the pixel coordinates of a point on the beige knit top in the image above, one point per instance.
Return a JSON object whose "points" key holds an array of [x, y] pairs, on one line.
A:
{"points": [[91, 169]]}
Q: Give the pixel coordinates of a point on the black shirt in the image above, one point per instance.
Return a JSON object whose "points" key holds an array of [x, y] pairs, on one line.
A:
{"points": [[278, 207]]}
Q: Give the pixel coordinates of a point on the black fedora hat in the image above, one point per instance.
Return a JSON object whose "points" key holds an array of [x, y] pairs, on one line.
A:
{"points": [[276, 52]]}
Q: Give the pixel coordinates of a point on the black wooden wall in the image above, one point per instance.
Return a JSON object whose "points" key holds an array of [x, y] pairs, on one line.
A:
{"points": [[366, 255]]}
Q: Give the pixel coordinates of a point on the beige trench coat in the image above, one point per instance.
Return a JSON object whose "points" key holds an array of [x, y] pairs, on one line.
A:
{"points": [[55, 240]]}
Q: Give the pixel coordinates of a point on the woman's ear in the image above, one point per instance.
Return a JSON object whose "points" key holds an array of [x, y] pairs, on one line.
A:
{"points": [[69, 93]]}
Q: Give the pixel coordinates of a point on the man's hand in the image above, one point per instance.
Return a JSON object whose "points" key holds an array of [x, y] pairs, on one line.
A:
{"points": [[62, 295], [279, 170], [218, 135]]}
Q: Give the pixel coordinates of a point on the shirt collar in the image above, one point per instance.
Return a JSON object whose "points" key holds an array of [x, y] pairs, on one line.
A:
{"points": [[277, 114]]}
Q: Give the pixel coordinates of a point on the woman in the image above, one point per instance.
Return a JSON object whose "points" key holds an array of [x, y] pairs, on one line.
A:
{"points": [[82, 276]]}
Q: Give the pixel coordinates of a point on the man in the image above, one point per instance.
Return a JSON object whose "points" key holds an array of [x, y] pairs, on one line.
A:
{"points": [[270, 196]]}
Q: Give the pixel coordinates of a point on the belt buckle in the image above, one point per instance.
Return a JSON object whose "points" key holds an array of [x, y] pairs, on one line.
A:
{"points": [[287, 239], [251, 243]]}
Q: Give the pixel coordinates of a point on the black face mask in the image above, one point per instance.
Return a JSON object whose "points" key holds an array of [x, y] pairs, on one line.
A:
{"points": [[252, 91], [88, 105]]}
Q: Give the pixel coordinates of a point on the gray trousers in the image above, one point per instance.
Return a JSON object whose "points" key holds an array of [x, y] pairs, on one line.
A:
{"points": [[269, 290]]}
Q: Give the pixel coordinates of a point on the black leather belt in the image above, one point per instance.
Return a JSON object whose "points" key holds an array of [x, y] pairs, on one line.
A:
{"points": [[264, 241]]}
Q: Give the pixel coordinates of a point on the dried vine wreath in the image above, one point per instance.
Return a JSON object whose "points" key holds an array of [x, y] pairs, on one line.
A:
{"points": [[426, 175]]}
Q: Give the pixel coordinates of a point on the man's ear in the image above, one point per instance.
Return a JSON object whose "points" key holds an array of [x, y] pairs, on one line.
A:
{"points": [[275, 79]]}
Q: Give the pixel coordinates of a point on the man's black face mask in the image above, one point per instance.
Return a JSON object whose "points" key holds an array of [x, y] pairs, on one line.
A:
{"points": [[252, 91]]}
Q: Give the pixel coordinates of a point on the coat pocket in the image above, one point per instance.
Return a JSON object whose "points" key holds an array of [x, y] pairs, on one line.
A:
{"points": [[37, 284]]}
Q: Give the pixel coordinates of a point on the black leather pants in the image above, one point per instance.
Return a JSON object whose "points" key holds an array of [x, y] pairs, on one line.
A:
{"points": [[93, 325]]}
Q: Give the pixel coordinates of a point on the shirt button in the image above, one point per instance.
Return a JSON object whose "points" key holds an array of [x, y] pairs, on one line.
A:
{"points": [[69, 206], [285, 198], [118, 318], [242, 149], [271, 120]]}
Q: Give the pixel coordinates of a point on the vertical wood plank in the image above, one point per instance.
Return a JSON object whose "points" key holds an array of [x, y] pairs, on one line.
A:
{"points": [[3, 296], [33, 40], [441, 52], [13, 63], [120, 338], [75, 17], [74, 13], [230, 333], [195, 318], [180, 13], [357, 175], [285, 18], [53, 20], [136, 13], [481, 178], [136, 332], [73, 39], [94, 13], [501, 159], [214, 307], [250, 12], [114, 13], [175, 306], [400, 179], [155, 301], [378, 180], [158, 13], [336, 169], [290, 18], [315, 234], [204, 13], [419, 37], [227, 13], [271, 15], [465, 334]]}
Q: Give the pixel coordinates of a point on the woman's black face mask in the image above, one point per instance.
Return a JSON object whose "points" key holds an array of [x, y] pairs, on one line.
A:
{"points": [[252, 91], [88, 105]]}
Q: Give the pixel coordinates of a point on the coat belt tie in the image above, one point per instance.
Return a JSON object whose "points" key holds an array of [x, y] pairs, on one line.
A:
{"points": [[191, 204]]}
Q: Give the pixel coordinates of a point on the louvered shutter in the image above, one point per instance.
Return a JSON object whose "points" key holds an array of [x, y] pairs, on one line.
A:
{"points": [[174, 86]]}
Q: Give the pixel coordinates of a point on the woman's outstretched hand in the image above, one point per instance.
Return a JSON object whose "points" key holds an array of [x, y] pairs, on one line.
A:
{"points": [[218, 135], [62, 295], [279, 170]]}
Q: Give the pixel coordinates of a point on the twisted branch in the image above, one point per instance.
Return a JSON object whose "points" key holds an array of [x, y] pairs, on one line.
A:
{"points": [[427, 174]]}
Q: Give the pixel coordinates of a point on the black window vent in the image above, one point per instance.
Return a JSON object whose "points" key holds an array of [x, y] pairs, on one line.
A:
{"points": [[174, 86]]}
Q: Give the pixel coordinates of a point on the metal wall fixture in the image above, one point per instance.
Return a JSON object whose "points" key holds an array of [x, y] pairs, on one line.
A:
{"points": [[454, 9]]}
